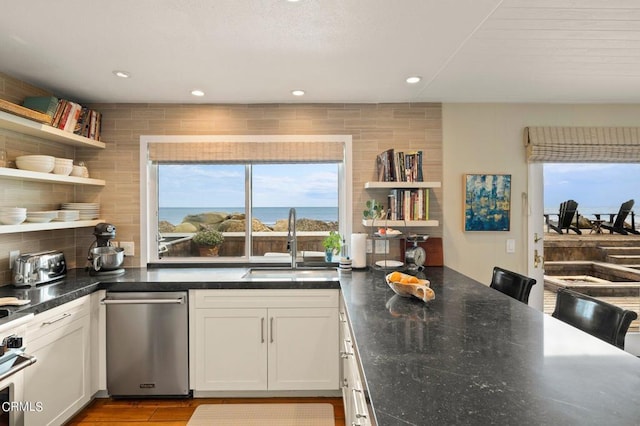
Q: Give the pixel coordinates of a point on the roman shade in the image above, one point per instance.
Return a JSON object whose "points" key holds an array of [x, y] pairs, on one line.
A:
{"points": [[582, 144], [254, 152]]}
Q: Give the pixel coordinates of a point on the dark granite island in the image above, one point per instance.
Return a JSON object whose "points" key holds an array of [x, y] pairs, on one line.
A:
{"points": [[474, 356]]}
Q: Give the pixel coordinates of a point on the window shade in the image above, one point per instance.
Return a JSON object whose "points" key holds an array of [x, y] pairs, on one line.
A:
{"points": [[255, 152], [582, 144]]}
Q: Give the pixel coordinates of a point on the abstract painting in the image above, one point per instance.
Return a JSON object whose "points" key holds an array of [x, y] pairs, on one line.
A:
{"points": [[487, 203]]}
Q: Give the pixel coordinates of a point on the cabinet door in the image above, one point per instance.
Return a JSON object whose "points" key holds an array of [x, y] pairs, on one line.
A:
{"points": [[231, 349], [303, 349], [60, 378]]}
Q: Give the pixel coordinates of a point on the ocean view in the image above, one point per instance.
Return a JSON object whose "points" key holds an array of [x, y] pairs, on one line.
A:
{"points": [[266, 215]]}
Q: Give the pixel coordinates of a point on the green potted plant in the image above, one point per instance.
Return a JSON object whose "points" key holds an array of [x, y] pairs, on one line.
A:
{"points": [[332, 245], [208, 241]]}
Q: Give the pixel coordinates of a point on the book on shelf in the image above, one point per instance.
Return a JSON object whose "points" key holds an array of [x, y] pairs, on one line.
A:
{"points": [[44, 104], [75, 118], [399, 166], [409, 204]]}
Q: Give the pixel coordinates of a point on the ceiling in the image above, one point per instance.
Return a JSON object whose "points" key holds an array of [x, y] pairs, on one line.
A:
{"points": [[258, 51]]}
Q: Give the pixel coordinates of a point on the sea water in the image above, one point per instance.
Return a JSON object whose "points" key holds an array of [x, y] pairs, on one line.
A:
{"points": [[266, 215]]}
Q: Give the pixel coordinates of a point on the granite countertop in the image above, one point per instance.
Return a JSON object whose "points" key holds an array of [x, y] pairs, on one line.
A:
{"points": [[78, 283], [476, 356], [471, 356]]}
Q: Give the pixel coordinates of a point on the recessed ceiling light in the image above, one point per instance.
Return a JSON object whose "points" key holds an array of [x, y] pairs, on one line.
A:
{"points": [[413, 79], [121, 74], [197, 92], [297, 92]]}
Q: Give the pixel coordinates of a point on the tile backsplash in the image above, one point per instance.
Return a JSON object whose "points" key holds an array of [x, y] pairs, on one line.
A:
{"points": [[373, 127]]}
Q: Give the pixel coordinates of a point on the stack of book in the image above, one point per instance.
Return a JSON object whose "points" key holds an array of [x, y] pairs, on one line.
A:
{"points": [[399, 166], [67, 115], [409, 204]]}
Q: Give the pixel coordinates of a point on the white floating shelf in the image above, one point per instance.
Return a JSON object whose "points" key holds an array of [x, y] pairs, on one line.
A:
{"points": [[47, 177], [44, 131], [30, 227], [400, 185], [400, 223]]}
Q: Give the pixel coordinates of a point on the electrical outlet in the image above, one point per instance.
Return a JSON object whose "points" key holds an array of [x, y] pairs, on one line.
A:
{"points": [[511, 245], [13, 255], [129, 248], [369, 246], [382, 246]]}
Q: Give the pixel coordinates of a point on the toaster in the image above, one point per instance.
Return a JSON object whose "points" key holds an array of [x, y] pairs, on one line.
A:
{"points": [[36, 268]]}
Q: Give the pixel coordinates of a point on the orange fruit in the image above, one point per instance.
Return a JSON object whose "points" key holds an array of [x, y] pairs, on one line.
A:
{"points": [[395, 276]]}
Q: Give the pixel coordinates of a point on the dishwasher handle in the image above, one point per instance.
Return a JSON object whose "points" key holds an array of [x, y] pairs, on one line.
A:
{"points": [[150, 301]]}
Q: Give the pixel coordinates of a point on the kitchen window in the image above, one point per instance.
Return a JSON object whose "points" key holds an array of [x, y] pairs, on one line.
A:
{"points": [[244, 189]]}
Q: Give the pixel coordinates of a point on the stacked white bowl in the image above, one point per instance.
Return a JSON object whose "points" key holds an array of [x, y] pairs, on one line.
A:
{"points": [[12, 215], [36, 163], [88, 211], [63, 166], [68, 215], [41, 217]]}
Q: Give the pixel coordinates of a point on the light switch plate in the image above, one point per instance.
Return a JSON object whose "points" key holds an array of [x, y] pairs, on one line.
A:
{"points": [[129, 247], [511, 245]]}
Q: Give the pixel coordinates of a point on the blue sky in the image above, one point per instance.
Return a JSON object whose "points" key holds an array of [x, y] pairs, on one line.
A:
{"points": [[288, 185], [591, 184]]}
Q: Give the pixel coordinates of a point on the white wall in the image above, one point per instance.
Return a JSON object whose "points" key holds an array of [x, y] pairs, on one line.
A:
{"points": [[488, 138]]}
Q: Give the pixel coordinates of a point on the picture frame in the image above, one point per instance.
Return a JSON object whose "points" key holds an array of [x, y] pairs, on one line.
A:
{"points": [[487, 202]]}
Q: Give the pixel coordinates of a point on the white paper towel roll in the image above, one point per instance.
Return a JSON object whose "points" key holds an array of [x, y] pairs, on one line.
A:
{"points": [[359, 250]]}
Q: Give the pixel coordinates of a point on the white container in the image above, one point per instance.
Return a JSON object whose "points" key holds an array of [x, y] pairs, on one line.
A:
{"points": [[359, 250], [36, 163]]}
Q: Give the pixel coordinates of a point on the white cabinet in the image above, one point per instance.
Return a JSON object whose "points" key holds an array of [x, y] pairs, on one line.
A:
{"points": [[272, 340], [230, 349], [61, 378], [356, 412]]}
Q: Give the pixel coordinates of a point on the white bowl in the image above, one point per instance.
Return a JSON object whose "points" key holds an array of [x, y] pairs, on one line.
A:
{"points": [[63, 160], [62, 169], [6, 219], [41, 217], [77, 171], [41, 163]]}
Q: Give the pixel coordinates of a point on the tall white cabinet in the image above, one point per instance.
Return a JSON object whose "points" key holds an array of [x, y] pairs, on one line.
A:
{"points": [[264, 340], [61, 377]]}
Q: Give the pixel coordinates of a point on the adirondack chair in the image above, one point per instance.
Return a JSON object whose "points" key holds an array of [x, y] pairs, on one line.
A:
{"points": [[617, 225], [568, 210]]}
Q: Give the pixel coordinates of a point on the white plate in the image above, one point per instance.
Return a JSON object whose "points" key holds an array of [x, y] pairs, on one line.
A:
{"points": [[389, 263]]}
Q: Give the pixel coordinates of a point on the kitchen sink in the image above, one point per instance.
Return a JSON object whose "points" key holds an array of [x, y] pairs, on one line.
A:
{"points": [[298, 274]]}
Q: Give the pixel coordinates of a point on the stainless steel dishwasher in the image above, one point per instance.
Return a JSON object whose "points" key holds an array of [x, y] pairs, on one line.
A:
{"points": [[147, 344]]}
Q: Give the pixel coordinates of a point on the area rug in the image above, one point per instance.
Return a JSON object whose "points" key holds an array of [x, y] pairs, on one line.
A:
{"points": [[274, 414]]}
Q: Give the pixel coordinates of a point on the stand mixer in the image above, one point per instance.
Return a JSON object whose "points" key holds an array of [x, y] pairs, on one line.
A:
{"points": [[105, 259]]}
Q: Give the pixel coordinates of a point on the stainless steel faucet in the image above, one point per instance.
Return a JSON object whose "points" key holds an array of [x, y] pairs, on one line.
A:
{"points": [[292, 238]]}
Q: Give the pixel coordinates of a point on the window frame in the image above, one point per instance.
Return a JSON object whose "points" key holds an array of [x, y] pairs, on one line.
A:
{"points": [[149, 192]]}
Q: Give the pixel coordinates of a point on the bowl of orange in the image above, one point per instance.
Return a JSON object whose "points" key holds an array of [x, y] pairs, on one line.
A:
{"points": [[406, 285]]}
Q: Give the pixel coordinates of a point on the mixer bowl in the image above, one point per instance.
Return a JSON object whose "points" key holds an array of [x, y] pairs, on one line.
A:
{"points": [[106, 258]]}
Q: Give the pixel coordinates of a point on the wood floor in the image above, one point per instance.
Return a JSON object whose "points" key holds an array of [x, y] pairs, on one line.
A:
{"points": [[172, 412]]}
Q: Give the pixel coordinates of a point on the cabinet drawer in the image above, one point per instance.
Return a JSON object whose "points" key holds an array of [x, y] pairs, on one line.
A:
{"points": [[57, 317], [316, 298]]}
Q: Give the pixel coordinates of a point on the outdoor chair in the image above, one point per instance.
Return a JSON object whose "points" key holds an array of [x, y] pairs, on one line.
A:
{"points": [[512, 284], [600, 319], [618, 224], [568, 210]]}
